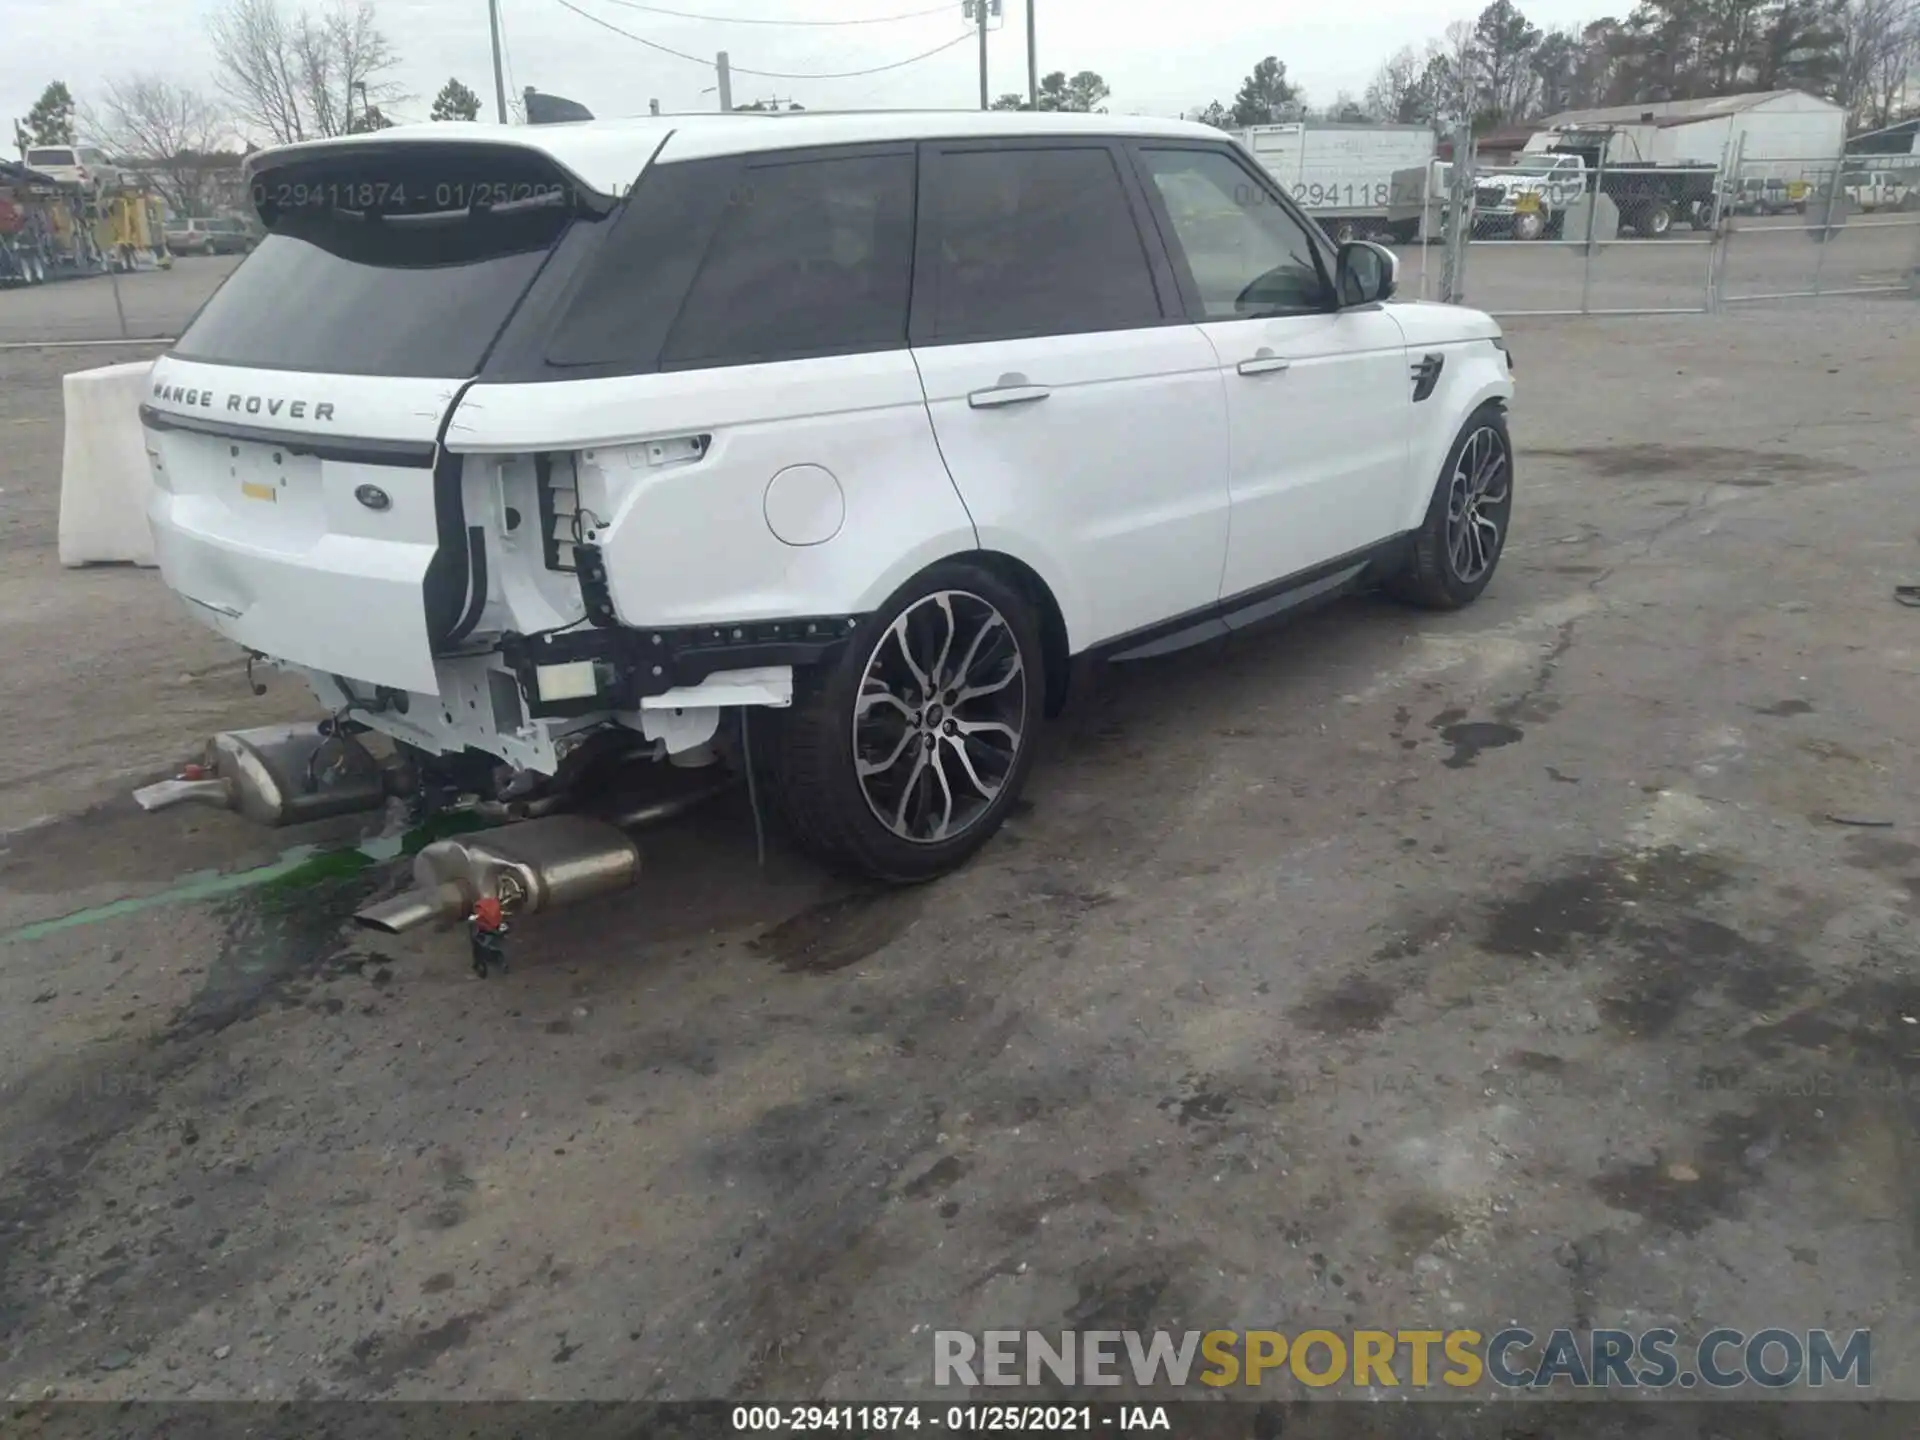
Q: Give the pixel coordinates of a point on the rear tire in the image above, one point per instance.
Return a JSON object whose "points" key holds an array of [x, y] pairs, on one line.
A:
{"points": [[882, 777], [1458, 545]]}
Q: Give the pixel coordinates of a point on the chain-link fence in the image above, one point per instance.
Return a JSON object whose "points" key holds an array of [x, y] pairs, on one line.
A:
{"points": [[1562, 232]]}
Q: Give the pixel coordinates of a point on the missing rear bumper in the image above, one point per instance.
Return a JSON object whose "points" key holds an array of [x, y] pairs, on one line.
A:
{"points": [[571, 673]]}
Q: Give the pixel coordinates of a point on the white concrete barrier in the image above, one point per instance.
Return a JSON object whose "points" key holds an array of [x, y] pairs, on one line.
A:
{"points": [[103, 474]]}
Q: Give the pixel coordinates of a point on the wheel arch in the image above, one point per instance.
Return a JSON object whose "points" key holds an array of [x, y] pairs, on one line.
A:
{"points": [[1056, 643], [1477, 385], [1056, 647]]}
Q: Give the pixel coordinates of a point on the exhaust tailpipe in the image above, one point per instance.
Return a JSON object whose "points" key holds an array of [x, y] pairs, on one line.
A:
{"points": [[276, 775], [529, 866]]}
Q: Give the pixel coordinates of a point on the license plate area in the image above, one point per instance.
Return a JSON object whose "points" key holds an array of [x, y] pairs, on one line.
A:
{"points": [[274, 494]]}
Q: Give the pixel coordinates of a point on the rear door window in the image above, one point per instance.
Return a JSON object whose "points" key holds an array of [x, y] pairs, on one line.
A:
{"points": [[1035, 241], [405, 264]]}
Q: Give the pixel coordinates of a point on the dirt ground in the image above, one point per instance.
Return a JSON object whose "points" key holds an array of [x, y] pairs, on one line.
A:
{"points": [[1547, 962]]}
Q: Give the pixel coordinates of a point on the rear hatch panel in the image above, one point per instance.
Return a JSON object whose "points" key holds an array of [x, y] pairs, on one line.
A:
{"points": [[303, 505], [304, 546]]}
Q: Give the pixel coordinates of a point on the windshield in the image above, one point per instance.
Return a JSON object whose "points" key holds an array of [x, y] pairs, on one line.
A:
{"points": [[408, 269], [49, 157], [1540, 167]]}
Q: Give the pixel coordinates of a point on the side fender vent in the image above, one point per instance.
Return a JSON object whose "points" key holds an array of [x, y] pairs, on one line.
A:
{"points": [[1426, 375]]}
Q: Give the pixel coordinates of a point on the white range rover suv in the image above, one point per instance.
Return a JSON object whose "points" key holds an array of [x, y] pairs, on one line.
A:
{"points": [[826, 443]]}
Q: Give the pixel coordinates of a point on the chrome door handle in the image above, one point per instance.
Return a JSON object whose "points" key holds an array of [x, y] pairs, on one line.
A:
{"points": [[1008, 390], [1265, 363]]}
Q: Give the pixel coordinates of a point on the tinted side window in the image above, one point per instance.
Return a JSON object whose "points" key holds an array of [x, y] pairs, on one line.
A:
{"points": [[1248, 256], [1036, 242], [810, 257], [634, 281]]}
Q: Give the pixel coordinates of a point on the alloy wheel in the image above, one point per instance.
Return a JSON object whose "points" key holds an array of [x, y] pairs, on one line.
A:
{"points": [[1480, 485], [941, 716]]}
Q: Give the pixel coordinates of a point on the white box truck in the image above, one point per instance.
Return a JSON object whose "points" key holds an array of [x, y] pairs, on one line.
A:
{"points": [[1342, 175]]}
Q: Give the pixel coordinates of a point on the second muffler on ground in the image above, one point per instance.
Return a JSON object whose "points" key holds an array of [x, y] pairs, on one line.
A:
{"points": [[529, 866]]}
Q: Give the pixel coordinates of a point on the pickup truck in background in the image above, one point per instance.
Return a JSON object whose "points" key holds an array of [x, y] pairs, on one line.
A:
{"points": [[1758, 195], [1880, 190], [1532, 198]]}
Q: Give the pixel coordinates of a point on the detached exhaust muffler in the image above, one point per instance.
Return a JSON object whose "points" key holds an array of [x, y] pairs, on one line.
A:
{"points": [[514, 870], [277, 775]]}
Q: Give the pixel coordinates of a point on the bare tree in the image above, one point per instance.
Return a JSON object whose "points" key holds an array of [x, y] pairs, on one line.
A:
{"points": [[1879, 55], [1395, 95], [298, 76], [174, 133], [1453, 80]]}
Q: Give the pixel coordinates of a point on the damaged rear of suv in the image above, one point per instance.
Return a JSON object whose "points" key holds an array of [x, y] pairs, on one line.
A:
{"points": [[456, 445], [722, 442]]}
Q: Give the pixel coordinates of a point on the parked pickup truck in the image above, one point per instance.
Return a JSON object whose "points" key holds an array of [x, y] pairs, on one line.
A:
{"points": [[1757, 195], [1526, 200], [1879, 190], [1530, 200]]}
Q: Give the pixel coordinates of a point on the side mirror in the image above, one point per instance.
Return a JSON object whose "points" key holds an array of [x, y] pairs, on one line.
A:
{"points": [[1365, 273]]}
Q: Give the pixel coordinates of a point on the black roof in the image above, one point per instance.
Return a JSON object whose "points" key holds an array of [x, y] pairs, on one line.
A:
{"points": [[1893, 140]]}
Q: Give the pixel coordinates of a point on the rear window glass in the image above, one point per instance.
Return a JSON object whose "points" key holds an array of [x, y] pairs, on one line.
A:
{"points": [[402, 266], [810, 258], [724, 262]]}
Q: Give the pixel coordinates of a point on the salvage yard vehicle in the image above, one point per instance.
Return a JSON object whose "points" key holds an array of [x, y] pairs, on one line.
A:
{"points": [[818, 446], [209, 235], [1526, 200], [81, 166], [1768, 195], [1874, 190], [1572, 161]]}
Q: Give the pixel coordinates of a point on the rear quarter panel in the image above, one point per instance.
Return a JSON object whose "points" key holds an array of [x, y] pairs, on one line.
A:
{"points": [[689, 542]]}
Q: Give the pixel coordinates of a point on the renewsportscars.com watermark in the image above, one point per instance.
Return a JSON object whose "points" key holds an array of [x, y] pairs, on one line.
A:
{"points": [[1512, 1358]]}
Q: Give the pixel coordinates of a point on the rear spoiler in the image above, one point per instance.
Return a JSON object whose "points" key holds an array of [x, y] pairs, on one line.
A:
{"points": [[553, 109]]}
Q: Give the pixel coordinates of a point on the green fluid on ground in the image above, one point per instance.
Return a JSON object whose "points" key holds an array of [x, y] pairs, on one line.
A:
{"points": [[298, 866]]}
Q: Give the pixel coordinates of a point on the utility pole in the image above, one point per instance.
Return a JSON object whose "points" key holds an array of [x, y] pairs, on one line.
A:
{"points": [[980, 23], [1033, 64], [499, 78], [726, 82]]}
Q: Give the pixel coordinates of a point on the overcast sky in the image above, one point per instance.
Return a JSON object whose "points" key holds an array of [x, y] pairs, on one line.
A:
{"points": [[1158, 58]]}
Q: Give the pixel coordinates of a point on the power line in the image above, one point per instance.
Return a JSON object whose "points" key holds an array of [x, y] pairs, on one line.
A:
{"points": [[707, 62], [757, 20]]}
